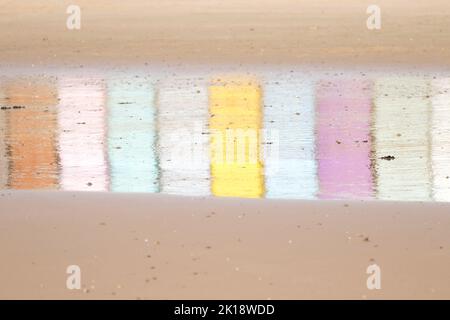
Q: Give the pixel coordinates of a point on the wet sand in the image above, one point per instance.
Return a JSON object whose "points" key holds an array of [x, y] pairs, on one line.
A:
{"points": [[138, 246], [312, 134]]}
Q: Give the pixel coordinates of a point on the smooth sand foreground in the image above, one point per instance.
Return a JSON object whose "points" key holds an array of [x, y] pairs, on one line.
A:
{"points": [[211, 31], [166, 247]]}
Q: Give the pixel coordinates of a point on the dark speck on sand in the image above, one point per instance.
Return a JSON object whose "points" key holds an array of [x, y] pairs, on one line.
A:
{"points": [[388, 158]]}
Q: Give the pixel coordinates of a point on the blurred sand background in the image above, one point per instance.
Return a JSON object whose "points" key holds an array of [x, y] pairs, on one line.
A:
{"points": [[207, 31]]}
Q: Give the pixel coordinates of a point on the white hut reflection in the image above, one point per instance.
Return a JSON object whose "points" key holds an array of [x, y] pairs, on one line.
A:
{"points": [[440, 134], [183, 136], [402, 141]]}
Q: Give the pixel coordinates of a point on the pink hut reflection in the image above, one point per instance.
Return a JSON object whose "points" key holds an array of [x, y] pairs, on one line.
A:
{"points": [[81, 118], [343, 139]]}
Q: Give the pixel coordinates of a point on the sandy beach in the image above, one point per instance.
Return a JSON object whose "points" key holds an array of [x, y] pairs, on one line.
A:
{"points": [[264, 31], [145, 245], [167, 247]]}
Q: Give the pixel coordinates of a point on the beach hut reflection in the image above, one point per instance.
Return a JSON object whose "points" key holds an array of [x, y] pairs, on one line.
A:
{"points": [[31, 137], [133, 165], [402, 141], [82, 148], [4, 163], [343, 139], [235, 123], [290, 167], [183, 142], [440, 133]]}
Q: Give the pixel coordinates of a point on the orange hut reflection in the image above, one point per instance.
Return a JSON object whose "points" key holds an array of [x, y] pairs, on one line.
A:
{"points": [[31, 134], [3, 146]]}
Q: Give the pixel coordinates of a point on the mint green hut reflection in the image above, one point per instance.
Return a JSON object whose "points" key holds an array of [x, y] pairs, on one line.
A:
{"points": [[133, 163]]}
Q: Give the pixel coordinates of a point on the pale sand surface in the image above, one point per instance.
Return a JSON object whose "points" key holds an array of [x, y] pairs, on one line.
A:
{"points": [[213, 31], [163, 247]]}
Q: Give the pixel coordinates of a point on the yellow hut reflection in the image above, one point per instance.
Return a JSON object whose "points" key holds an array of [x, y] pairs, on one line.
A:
{"points": [[235, 123], [32, 125]]}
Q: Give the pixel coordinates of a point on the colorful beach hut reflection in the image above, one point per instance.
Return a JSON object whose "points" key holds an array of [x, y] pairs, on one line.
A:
{"points": [[82, 136], [4, 170], [440, 143], [402, 141], [343, 122], [31, 137], [133, 165], [183, 142], [289, 122], [235, 124]]}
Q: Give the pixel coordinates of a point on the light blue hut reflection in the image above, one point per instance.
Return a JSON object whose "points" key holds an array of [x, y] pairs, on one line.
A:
{"points": [[290, 166], [131, 136]]}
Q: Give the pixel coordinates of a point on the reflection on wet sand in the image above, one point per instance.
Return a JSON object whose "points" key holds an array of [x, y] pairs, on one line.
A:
{"points": [[440, 134], [276, 136], [182, 136], [81, 117], [235, 123], [290, 168], [3, 146], [343, 142], [131, 136], [32, 125], [402, 150]]}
